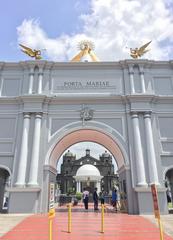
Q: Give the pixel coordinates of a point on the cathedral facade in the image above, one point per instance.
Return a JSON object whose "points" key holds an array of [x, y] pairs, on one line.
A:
{"points": [[87, 172]]}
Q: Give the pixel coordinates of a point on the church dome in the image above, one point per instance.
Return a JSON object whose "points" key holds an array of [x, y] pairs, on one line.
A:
{"points": [[88, 170]]}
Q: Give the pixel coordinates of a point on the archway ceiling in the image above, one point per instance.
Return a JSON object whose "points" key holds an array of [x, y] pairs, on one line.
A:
{"points": [[86, 135]]}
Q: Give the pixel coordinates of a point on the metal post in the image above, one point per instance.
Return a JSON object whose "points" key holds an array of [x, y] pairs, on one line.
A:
{"points": [[69, 218], [102, 218], [160, 228], [51, 215], [50, 229]]}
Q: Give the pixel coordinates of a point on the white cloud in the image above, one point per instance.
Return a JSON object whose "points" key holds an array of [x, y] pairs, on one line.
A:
{"points": [[111, 25]]}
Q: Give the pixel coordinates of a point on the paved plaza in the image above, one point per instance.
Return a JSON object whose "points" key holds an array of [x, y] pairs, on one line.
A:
{"points": [[85, 225]]}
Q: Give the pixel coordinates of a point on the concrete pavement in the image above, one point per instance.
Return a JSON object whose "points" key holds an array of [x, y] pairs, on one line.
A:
{"points": [[167, 221], [9, 221]]}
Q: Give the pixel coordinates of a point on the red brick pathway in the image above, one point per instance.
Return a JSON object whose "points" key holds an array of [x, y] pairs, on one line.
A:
{"points": [[86, 226]]}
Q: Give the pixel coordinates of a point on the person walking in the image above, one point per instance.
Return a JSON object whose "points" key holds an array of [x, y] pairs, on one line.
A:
{"points": [[95, 198], [85, 198], [102, 197], [114, 199]]}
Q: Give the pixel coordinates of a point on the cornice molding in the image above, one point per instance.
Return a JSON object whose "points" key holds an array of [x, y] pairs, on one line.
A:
{"points": [[108, 97], [122, 64]]}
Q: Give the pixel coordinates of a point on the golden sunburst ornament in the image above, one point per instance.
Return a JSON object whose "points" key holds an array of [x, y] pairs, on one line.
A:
{"points": [[85, 44], [86, 48]]}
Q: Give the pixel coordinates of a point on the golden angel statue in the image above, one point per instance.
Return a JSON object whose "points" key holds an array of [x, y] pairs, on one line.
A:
{"points": [[31, 52], [138, 52]]}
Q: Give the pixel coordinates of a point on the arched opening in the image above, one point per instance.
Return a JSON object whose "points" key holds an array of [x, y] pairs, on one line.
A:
{"points": [[4, 182], [114, 145], [169, 189], [90, 156]]}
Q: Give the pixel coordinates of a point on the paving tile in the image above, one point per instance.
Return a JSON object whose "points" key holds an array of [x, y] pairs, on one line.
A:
{"points": [[86, 226]]}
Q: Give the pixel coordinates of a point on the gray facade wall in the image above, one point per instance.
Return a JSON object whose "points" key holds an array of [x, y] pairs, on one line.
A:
{"points": [[105, 88]]}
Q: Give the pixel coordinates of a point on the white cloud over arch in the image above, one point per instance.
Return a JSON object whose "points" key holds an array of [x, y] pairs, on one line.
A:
{"points": [[112, 26]]}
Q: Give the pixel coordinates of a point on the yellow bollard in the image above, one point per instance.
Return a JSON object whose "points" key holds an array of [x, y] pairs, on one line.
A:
{"points": [[160, 228], [69, 218], [50, 229], [51, 215], [102, 217]]}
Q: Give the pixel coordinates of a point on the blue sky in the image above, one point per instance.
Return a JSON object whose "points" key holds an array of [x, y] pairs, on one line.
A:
{"points": [[56, 17], [113, 25]]}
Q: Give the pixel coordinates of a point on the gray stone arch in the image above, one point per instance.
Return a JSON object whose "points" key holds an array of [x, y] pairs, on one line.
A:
{"points": [[110, 132], [99, 133], [5, 175]]}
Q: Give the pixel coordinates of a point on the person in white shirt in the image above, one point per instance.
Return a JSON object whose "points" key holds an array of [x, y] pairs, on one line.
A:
{"points": [[85, 198]]}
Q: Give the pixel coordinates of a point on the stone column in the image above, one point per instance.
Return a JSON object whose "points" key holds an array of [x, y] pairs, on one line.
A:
{"points": [[150, 149], [142, 79], [80, 190], [77, 186], [141, 178], [131, 74], [35, 152], [31, 81], [98, 186], [24, 152], [40, 81]]}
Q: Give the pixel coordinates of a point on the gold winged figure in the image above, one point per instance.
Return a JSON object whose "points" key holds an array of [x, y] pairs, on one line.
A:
{"points": [[31, 52], [138, 52]]}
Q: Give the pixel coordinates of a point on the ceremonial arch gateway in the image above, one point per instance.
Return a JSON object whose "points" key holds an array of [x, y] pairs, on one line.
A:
{"points": [[45, 107]]}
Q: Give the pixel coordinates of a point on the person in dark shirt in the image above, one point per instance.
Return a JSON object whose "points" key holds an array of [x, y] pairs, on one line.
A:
{"points": [[114, 199], [95, 198], [102, 197]]}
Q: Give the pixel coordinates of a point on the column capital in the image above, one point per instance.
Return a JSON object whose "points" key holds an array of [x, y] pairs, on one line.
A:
{"points": [[40, 72], [147, 114], [134, 114], [2, 66], [131, 70], [38, 115], [141, 69], [26, 114], [31, 71]]}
